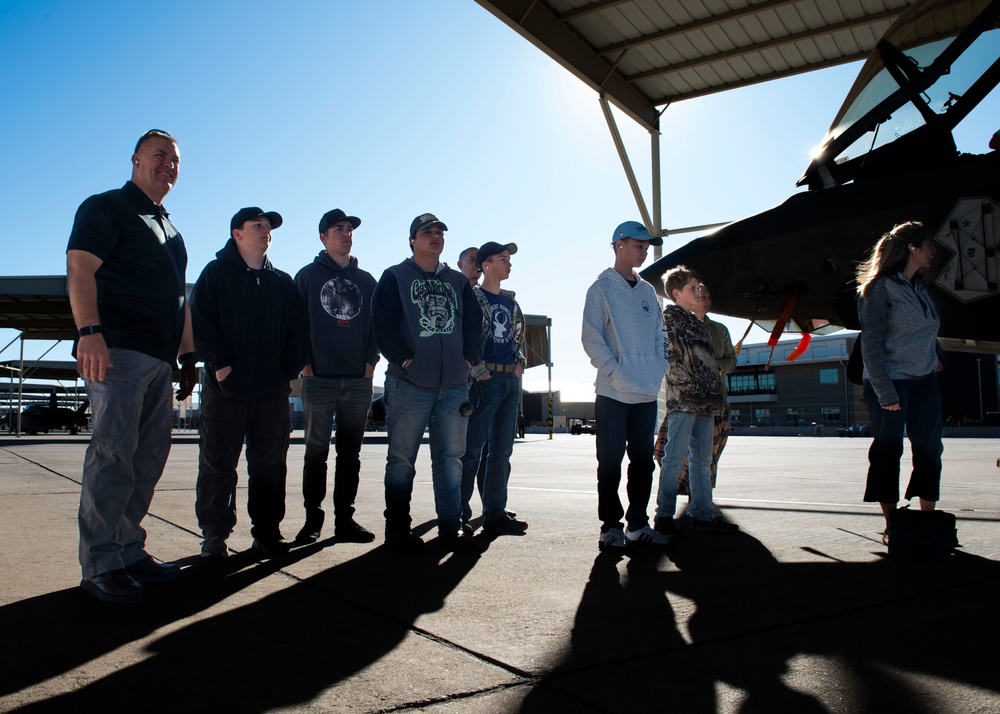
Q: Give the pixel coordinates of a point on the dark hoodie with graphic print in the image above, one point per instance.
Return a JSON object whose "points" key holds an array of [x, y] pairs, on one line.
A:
{"points": [[433, 319], [339, 300]]}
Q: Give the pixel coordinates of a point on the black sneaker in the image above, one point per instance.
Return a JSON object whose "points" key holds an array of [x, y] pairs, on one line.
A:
{"points": [[613, 539], [270, 547], [459, 540], [505, 525], [214, 546], [716, 524], [311, 530], [403, 541], [351, 532], [668, 528]]}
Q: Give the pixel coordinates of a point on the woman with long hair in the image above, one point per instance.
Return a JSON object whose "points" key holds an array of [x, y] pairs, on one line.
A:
{"points": [[901, 355]]}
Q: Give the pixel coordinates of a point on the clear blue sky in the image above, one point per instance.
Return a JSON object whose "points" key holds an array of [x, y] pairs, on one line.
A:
{"points": [[386, 109]]}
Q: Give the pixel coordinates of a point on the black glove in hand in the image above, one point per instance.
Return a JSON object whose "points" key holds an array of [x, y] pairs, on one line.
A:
{"points": [[189, 377]]}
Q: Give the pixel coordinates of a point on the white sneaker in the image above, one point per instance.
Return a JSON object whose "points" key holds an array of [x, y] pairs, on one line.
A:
{"points": [[613, 538], [646, 536]]}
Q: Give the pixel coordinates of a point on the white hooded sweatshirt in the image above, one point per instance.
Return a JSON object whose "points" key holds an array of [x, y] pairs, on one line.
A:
{"points": [[624, 337]]}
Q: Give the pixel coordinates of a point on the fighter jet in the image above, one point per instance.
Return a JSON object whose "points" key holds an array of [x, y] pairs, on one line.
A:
{"points": [[45, 417], [889, 157]]}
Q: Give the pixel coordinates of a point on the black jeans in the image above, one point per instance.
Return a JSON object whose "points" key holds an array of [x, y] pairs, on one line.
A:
{"points": [[624, 427], [225, 425], [920, 414], [347, 399]]}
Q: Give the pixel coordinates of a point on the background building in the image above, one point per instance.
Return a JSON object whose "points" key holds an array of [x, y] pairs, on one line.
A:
{"points": [[814, 389]]}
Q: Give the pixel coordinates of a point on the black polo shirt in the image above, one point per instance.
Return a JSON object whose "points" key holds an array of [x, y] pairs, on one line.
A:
{"points": [[140, 285]]}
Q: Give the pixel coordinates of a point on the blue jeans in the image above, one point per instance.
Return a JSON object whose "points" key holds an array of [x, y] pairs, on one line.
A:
{"points": [[920, 414], [410, 409], [493, 422], [687, 435], [349, 400], [128, 449], [624, 427]]}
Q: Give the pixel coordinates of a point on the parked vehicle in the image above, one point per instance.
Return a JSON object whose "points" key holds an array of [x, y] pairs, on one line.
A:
{"points": [[43, 417], [854, 430]]}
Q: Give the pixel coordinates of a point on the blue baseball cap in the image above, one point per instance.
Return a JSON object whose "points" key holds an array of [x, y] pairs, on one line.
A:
{"points": [[634, 229]]}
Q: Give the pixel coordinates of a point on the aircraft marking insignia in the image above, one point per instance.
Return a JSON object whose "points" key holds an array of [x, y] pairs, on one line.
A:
{"points": [[970, 233]]}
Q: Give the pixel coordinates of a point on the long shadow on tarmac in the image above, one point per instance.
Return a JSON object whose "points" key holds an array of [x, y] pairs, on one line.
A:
{"points": [[281, 650], [764, 636], [867, 632]]}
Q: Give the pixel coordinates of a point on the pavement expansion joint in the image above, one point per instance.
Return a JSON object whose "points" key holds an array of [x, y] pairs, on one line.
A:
{"points": [[456, 697], [420, 632], [43, 467]]}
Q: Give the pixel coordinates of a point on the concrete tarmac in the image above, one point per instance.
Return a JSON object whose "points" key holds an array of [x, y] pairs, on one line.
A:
{"points": [[801, 611]]}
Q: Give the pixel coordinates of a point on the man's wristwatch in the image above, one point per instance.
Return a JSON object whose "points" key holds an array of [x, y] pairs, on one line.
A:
{"points": [[89, 330]]}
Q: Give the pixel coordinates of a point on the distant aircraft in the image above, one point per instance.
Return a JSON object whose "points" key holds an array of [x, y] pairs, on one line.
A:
{"points": [[44, 417], [889, 157]]}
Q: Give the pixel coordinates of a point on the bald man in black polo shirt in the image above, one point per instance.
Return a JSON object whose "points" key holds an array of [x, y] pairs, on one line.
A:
{"points": [[125, 267]]}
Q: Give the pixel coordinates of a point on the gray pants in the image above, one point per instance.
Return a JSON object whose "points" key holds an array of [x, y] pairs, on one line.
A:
{"points": [[131, 440]]}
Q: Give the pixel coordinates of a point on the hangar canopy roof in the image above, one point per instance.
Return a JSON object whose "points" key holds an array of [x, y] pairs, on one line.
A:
{"points": [[645, 54], [37, 306]]}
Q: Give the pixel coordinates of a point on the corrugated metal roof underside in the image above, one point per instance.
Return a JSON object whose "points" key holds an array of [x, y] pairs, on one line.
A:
{"points": [[644, 54], [37, 306]]}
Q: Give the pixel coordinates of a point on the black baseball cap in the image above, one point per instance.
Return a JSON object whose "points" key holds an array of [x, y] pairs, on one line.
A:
{"points": [[493, 248], [246, 214], [331, 217], [425, 220]]}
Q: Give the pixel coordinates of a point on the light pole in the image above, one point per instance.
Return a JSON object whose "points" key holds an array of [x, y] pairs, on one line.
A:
{"points": [[979, 374]]}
